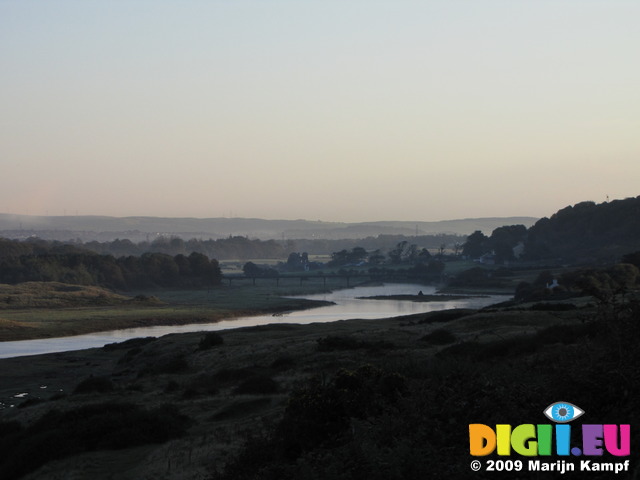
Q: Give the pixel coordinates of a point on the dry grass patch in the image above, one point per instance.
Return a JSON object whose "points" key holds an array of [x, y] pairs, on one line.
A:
{"points": [[11, 324], [54, 294]]}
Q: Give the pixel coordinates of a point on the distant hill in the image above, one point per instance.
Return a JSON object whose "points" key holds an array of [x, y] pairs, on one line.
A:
{"points": [[102, 228], [587, 231]]}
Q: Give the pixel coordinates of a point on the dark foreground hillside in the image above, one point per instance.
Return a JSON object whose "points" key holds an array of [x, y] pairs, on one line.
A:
{"points": [[387, 399]]}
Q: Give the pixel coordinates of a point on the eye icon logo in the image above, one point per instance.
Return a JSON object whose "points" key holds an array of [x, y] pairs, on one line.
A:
{"points": [[563, 412]]}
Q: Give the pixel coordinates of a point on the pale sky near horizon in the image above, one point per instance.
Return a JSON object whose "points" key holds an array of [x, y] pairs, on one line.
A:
{"points": [[335, 110]]}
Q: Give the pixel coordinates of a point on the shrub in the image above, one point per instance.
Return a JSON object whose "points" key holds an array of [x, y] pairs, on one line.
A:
{"points": [[60, 434], [172, 386], [498, 349], [338, 342], [211, 339], [520, 345], [172, 364], [440, 336], [257, 385], [131, 343], [94, 385], [241, 409], [284, 362], [230, 375], [30, 402], [128, 356], [332, 343], [553, 307], [565, 334], [202, 385], [446, 315], [8, 428], [318, 418]]}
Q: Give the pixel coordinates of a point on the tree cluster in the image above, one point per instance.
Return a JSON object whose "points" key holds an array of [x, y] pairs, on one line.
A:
{"points": [[587, 231], [403, 253], [582, 233], [379, 242], [298, 262], [71, 265], [604, 284], [354, 257], [502, 242], [250, 269], [231, 248]]}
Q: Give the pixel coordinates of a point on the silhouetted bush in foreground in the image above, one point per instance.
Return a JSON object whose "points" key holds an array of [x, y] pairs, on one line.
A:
{"points": [[446, 315], [240, 409], [520, 345], [168, 364], [318, 416], [94, 384], [93, 427], [127, 344], [258, 385], [283, 362], [211, 339], [439, 337], [374, 425], [333, 343]]}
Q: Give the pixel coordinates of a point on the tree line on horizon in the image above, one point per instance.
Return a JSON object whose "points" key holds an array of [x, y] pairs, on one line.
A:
{"points": [[580, 233], [244, 248], [72, 265]]}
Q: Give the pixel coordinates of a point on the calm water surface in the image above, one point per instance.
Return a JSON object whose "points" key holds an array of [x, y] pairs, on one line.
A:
{"points": [[347, 306]]}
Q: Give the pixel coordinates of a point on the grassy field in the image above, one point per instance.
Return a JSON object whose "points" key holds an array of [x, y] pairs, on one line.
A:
{"points": [[42, 310], [31, 295]]}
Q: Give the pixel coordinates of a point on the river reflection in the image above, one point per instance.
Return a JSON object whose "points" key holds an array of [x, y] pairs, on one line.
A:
{"points": [[347, 306]]}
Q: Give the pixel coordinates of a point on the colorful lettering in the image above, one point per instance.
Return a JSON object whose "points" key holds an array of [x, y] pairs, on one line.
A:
{"points": [[482, 440], [533, 440], [621, 449]]}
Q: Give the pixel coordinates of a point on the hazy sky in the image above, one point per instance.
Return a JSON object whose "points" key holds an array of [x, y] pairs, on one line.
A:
{"points": [[337, 110]]}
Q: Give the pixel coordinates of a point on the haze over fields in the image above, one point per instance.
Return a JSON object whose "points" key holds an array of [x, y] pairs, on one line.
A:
{"points": [[337, 111], [140, 228]]}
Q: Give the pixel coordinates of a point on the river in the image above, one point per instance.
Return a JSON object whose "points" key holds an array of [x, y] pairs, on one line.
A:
{"points": [[347, 306]]}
